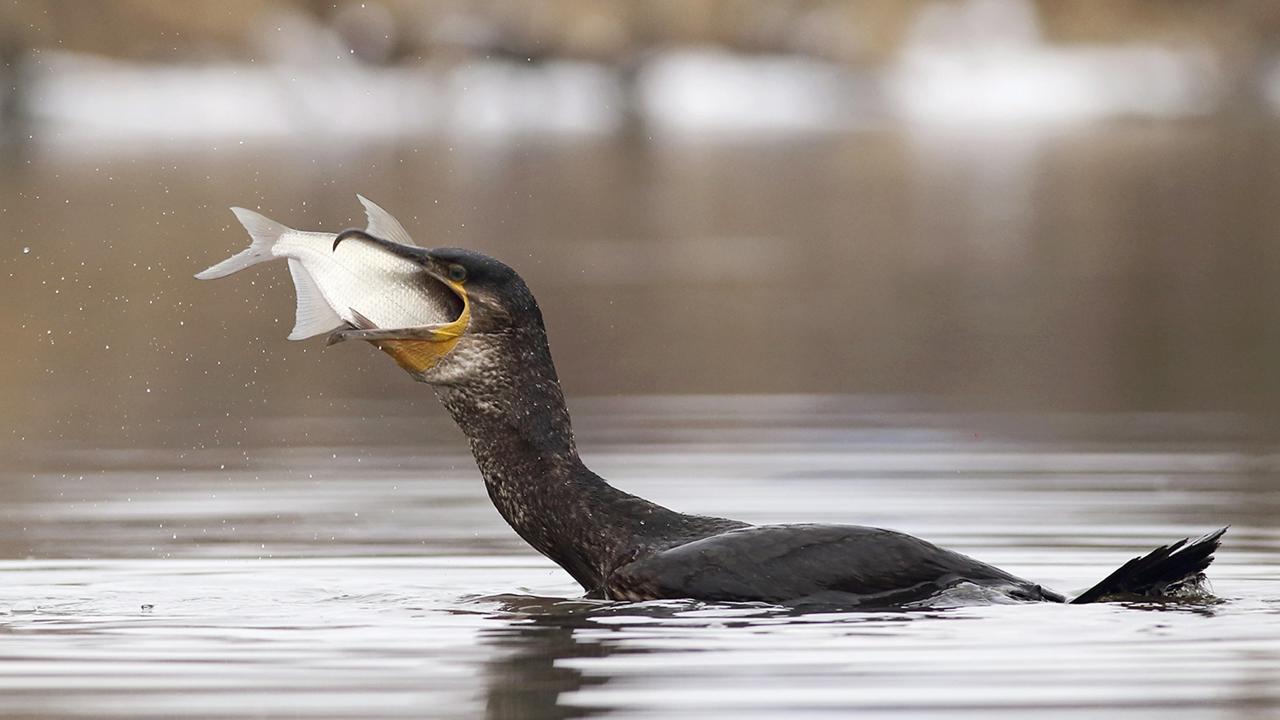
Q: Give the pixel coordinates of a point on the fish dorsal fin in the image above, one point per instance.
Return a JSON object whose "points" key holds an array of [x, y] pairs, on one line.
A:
{"points": [[382, 225], [315, 316]]}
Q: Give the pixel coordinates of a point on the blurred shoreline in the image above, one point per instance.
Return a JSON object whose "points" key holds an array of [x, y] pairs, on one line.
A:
{"points": [[85, 104], [357, 74]]}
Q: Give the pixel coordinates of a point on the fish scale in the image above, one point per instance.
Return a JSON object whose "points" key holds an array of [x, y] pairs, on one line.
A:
{"points": [[364, 277], [335, 286]]}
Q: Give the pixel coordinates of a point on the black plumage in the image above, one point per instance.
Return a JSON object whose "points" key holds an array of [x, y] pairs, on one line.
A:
{"points": [[500, 385]]}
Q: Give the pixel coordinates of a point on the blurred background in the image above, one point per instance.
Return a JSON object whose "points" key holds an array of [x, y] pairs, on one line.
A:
{"points": [[980, 205], [1004, 274]]}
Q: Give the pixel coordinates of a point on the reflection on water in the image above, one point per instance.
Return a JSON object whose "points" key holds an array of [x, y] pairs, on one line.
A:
{"points": [[528, 674], [379, 582]]}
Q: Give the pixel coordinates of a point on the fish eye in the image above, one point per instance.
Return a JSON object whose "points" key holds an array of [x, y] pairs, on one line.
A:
{"points": [[457, 273]]}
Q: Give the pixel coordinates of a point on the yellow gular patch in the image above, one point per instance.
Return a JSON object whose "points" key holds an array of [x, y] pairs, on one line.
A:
{"points": [[422, 355], [416, 355]]}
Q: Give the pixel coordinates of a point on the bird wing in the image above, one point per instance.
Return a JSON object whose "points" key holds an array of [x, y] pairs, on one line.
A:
{"points": [[844, 564]]}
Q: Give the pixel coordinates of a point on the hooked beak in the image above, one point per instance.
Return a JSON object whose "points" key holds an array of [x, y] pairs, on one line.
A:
{"points": [[404, 251]]}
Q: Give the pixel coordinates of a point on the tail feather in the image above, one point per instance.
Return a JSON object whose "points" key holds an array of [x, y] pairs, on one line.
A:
{"points": [[265, 233], [1162, 570]]}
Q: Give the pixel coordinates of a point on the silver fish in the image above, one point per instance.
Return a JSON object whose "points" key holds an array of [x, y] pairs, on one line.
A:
{"points": [[356, 283]]}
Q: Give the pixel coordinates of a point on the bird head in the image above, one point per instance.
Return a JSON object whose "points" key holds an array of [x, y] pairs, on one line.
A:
{"points": [[495, 317]]}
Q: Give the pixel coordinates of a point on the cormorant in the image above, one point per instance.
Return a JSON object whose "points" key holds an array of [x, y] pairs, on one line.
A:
{"points": [[491, 368]]}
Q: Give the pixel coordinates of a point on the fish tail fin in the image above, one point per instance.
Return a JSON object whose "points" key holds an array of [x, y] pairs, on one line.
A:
{"points": [[265, 233], [1163, 572]]}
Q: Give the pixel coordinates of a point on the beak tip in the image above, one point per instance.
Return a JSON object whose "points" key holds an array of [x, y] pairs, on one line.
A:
{"points": [[346, 234]]}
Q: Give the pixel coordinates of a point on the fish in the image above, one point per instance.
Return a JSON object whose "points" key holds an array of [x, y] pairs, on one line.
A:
{"points": [[355, 283]]}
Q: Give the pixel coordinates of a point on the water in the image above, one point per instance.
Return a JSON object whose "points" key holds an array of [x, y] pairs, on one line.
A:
{"points": [[377, 581], [1053, 348]]}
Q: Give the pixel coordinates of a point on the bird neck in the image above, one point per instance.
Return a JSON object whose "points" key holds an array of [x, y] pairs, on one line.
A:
{"points": [[512, 410]]}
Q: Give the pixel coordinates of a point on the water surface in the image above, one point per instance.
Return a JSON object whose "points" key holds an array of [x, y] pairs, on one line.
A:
{"points": [[378, 581]]}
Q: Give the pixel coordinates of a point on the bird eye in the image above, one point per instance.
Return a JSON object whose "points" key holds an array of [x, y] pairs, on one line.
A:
{"points": [[457, 273]]}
